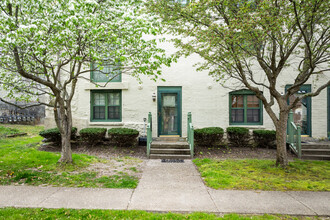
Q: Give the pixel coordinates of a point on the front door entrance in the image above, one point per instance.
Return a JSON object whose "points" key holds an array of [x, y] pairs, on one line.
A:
{"points": [[169, 110], [302, 112]]}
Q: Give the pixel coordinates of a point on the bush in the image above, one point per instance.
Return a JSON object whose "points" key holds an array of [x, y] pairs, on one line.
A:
{"points": [[123, 137], [92, 135], [264, 138], [54, 135], [238, 136], [208, 137]]}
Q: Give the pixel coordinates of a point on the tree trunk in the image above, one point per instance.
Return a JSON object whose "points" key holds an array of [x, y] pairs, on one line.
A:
{"points": [[65, 126], [281, 127], [66, 153]]}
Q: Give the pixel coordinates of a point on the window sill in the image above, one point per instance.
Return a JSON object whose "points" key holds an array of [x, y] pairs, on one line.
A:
{"points": [[262, 127], [105, 123], [110, 85]]}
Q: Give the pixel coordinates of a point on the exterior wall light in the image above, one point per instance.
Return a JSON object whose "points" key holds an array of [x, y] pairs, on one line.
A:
{"points": [[153, 97]]}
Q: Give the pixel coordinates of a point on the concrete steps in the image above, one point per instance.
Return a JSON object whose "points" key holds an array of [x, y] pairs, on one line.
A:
{"points": [[169, 156], [169, 148], [315, 151]]}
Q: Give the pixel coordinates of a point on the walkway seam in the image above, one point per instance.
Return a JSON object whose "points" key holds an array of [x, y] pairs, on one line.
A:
{"points": [[58, 189], [288, 193], [130, 199], [206, 188]]}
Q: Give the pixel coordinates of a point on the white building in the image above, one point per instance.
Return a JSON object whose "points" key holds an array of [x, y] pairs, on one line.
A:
{"points": [[125, 103]]}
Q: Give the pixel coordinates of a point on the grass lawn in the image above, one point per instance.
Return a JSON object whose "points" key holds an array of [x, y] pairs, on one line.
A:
{"points": [[22, 163], [27, 213], [252, 174], [4, 131]]}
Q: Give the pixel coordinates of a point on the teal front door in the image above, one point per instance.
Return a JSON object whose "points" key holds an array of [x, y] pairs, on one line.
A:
{"points": [[169, 110]]}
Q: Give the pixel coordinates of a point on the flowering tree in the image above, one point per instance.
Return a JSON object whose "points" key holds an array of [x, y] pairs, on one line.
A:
{"points": [[253, 42], [46, 47]]}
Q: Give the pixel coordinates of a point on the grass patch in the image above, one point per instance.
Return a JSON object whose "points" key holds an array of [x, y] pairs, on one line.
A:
{"points": [[4, 131], [29, 129], [252, 174], [22, 163], [27, 213]]}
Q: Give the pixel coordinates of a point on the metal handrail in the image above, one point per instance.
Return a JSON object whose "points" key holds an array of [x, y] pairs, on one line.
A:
{"points": [[294, 135], [149, 133], [190, 134]]}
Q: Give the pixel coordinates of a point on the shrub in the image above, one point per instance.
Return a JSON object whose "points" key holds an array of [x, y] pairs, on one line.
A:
{"points": [[54, 135], [238, 136], [208, 137], [264, 138], [123, 137], [92, 135]]}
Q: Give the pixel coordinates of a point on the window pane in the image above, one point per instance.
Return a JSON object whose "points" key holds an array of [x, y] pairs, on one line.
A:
{"points": [[252, 101], [99, 99], [114, 99], [106, 72], [113, 112], [237, 101], [253, 115], [99, 112], [237, 115]]}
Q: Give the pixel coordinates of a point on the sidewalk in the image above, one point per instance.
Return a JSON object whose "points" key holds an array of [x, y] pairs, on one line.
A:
{"points": [[175, 187]]}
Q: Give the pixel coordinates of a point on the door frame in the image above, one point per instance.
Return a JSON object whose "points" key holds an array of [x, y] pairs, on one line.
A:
{"points": [[169, 89], [307, 88]]}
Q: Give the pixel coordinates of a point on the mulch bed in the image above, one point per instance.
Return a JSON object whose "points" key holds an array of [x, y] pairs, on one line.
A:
{"points": [[108, 151], [238, 153], [103, 150]]}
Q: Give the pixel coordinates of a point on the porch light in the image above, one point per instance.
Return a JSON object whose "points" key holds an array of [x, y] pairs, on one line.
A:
{"points": [[154, 97]]}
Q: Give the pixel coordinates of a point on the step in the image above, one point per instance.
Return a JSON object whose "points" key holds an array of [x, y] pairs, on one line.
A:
{"points": [[171, 145], [314, 145], [315, 151], [170, 151], [169, 156], [315, 157], [170, 139]]}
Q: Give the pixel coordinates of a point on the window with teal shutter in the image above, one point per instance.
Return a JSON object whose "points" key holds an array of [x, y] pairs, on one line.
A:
{"points": [[244, 108], [106, 105], [106, 72]]}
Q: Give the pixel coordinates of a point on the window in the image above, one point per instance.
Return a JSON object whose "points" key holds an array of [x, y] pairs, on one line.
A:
{"points": [[182, 2], [106, 72], [106, 105], [245, 108]]}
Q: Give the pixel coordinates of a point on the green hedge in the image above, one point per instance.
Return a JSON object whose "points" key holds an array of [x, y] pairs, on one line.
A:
{"points": [[123, 137], [238, 136], [53, 134], [264, 138], [208, 137], [92, 135]]}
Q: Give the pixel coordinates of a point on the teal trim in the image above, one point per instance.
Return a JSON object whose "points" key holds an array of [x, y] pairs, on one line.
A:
{"points": [[106, 92], [169, 90], [92, 73], [244, 93], [307, 88]]}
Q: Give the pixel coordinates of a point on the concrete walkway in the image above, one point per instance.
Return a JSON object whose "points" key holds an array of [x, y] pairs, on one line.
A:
{"points": [[175, 187]]}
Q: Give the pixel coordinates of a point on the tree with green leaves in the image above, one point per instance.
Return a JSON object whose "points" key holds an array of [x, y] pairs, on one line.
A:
{"points": [[252, 44], [47, 46]]}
